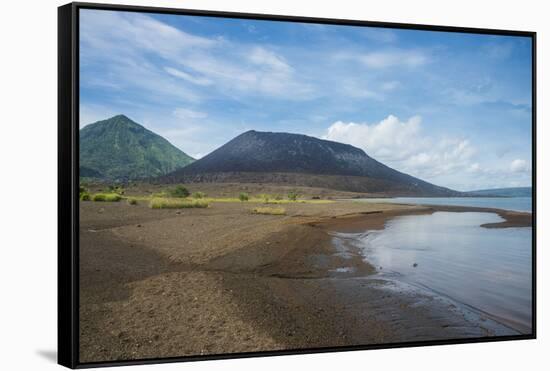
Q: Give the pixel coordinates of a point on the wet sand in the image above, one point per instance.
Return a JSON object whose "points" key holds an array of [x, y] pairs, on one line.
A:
{"points": [[161, 283]]}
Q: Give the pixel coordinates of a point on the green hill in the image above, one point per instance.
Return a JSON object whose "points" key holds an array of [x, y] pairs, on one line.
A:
{"points": [[119, 149]]}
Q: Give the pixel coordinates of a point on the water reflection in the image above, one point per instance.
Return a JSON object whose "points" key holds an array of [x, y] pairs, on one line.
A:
{"points": [[489, 269]]}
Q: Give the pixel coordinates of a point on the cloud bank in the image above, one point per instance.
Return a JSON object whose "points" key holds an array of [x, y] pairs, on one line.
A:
{"points": [[406, 146]]}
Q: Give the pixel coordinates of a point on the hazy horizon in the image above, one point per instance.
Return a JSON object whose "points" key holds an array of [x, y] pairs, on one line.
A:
{"points": [[452, 109]]}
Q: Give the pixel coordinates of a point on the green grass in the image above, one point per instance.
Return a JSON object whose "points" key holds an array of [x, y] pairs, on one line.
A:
{"points": [[116, 189], [198, 195], [293, 195], [269, 210], [262, 200], [265, 197], [165, 201], [179, 191], [168, 203], [106, 197], [276, 202]]}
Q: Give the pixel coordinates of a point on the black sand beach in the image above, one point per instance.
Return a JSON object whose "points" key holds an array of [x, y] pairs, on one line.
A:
{"points": [[161, 283]]}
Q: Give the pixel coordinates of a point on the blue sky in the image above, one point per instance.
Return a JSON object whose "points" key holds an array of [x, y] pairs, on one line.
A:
{"points": [[453, 109]]}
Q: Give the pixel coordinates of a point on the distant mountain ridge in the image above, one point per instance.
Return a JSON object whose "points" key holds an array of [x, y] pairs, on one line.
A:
{"points": [[119, 149], [503, 192], [301, 160]]}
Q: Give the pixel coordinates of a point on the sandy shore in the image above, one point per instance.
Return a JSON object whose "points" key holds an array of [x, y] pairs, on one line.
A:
{"points": [[161, 283]]}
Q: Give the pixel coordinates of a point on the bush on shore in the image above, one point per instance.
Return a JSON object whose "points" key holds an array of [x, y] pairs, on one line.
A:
{"points": [[116, 189], [132, 201], [166, 203], [106, 197], [179, 191], [243, 196], [293, 195], [266, 197]]}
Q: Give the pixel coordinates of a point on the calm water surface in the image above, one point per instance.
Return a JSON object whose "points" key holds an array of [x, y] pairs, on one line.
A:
{"points": [[450, 254], [506, 203]]}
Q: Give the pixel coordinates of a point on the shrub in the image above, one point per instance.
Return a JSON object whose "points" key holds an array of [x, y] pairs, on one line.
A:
{"points": [[278, 197], [265, 197], [106, 197], [166, 203], [243, 196], [83, 193], [198, 195], [269, 211], [116, 189], [132, 201], [179, 191], [293, 195]]}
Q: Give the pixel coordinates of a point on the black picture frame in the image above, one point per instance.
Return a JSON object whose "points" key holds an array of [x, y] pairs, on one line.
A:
{"points": [[68, 179]]}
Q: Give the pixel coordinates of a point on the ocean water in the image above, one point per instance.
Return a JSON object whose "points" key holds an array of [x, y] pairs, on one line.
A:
{"points": [[451, 255], [506, 203]]}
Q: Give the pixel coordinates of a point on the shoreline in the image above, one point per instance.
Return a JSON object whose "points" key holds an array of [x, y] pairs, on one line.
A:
{"points": [[353, 221], [358, 223], [243, 283]]}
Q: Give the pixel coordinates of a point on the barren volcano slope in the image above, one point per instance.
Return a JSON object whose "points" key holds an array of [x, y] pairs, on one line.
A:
{"points": [[293, 159]]}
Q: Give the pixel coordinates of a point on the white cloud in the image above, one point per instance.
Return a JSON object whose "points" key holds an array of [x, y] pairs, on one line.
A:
{"points": [[185, 113], [474, 168], [251, 28], [464, 93], [448, 161], [394, 58], [185, 137], [184, 75], [263, 57], [356, 89], [443, 157], [519, 166], [122, 45], [132, 31], [129, 46], [492, 175], [390, 85], [252, 70], [390, 139], [403, 146]]}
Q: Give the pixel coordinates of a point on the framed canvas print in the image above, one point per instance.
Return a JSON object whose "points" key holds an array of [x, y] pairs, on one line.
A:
{"points": [[235, 185]]}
